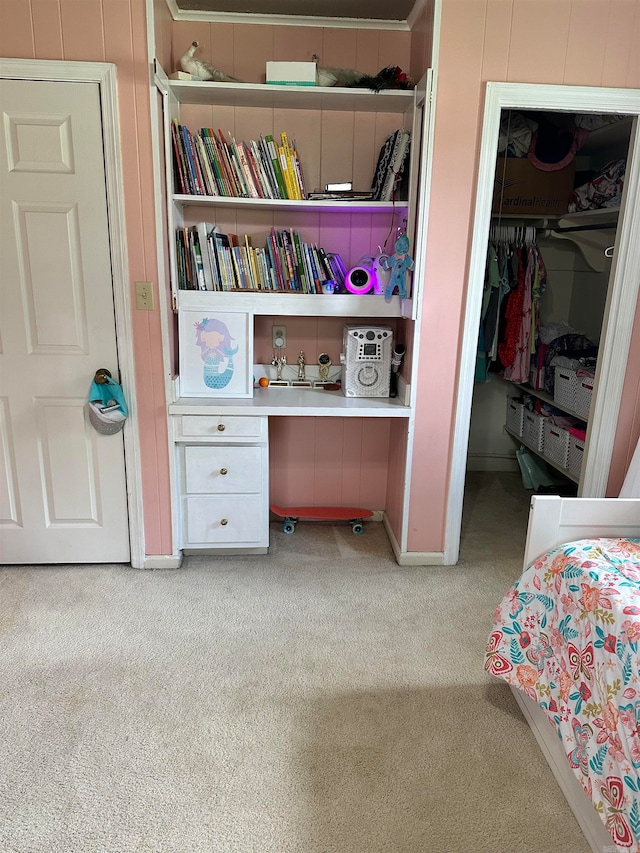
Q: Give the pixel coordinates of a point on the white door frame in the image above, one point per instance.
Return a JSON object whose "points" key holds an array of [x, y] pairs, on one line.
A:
{"points": [[621, 299], [104, 74]]}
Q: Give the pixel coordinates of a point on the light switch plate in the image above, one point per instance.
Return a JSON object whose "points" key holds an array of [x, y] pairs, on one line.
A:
{"points": [[144, 296], [279, 337]]}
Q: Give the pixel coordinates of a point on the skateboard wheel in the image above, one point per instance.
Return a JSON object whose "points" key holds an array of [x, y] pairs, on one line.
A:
{"points": [[358, 528], [288, 526]]}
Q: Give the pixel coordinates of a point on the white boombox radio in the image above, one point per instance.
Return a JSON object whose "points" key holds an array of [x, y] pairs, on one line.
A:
{"points": [[366, 361]]}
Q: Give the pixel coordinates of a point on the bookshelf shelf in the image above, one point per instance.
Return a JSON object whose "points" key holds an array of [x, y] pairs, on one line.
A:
{"points": [[292, 97], [279, 303], [290, 204]]}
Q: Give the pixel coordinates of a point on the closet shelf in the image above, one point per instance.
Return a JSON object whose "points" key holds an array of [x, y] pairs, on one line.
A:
{"points": [[563, 220], [279, 303], [590, 231], [547, 398], [291, 204], [520, 440], [602, 219], [293, 97]]}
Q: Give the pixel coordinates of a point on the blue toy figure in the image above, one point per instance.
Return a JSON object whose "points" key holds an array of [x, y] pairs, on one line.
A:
{"points": [[398, 264]]}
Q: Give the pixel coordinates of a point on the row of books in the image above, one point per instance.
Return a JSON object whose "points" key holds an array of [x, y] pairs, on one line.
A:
{"points": [[210, 260], [391, 169], [206, 163]]}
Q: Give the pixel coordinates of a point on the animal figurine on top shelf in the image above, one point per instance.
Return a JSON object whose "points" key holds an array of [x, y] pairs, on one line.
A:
{"points": [[203, 69]]}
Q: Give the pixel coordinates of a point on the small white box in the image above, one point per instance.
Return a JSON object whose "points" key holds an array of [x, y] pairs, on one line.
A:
{"points": [[533, 429], [556, 444], [183, 75], [576, 454], [584, 393], [515, 415], [291, 73], [564, 388]]}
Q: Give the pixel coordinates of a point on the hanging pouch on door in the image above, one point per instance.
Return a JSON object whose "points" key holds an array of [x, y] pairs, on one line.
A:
{"points": [[106, 406]]}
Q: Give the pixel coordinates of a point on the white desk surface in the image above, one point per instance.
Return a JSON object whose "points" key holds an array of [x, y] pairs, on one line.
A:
{"points": [[309, 402]]}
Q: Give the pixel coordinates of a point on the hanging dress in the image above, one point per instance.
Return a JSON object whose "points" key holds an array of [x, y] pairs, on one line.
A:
{"points": [[518, 370], [513, 314]]}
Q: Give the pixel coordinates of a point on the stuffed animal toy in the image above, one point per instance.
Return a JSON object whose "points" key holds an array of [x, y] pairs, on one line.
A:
{"points": [[398, 264], [391, 77], [203, 69]]}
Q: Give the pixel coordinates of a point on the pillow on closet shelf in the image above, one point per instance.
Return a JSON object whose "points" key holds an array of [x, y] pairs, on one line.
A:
{"points": [[577, 347]]}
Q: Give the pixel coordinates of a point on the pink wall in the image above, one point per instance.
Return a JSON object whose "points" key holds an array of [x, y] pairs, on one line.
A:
{"points": [[589, 42], [115, 31], [592, 42], [328, 461]]}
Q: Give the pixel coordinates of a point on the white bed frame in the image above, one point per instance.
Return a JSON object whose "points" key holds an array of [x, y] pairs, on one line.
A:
{"points": [[552, 521]]}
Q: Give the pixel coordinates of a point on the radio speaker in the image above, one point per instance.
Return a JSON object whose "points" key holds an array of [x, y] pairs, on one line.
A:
{"points": [[366, 360]]}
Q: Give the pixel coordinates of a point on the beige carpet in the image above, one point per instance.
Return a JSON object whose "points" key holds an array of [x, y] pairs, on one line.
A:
{"points": [[318, 700]]}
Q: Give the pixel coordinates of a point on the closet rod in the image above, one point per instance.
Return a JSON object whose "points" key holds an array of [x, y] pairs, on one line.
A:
{"points": [[599, 227]]}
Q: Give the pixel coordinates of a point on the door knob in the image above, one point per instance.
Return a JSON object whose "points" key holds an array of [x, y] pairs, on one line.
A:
{"points": [[224, 521], [221, 427], [223, 471], [102, 374]]}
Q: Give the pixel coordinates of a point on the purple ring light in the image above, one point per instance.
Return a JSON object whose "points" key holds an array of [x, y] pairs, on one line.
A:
{"points": [[360, 280]]}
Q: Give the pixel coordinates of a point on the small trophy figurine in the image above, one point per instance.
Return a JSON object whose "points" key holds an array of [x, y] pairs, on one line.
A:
{"points": [[278, 362], [301, 368], [324, 363]]}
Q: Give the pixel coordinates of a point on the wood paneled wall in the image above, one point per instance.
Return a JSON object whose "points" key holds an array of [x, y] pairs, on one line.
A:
{"points": [[578, 42], [115, 31]]}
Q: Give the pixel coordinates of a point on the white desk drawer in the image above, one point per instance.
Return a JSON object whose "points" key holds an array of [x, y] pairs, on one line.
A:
{"points": [[224, 521], [222, 469], [222, 427]]}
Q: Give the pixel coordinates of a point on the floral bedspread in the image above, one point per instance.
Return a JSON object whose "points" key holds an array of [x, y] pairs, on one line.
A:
{"points": [[567, 635]]}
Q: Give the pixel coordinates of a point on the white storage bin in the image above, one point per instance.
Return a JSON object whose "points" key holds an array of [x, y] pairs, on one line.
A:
{"points": [[584, 393], [576, 454], [533, 429], [556, 444], [515, 415], [564, 387]]}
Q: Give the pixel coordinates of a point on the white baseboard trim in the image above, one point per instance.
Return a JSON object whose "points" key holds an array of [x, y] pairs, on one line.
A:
{"points": [[491, 462], [162, 561], [226, 552], [421, 558], [412, 558]]}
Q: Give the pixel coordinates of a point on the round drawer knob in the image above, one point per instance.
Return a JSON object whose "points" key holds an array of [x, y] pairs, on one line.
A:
{"points": [[223, 471], [221, 427], [224, 521]]}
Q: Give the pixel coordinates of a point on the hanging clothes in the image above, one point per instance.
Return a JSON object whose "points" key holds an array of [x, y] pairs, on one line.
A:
{"points": [[534, 286], [515, 306], [491, 286], [515, 280]]}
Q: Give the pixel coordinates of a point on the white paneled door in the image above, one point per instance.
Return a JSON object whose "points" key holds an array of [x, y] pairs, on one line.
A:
{"points": [[62, 485]]}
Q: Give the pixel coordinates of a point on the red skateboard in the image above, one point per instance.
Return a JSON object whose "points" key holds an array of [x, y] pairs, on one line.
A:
{"points": [[292, 514]]}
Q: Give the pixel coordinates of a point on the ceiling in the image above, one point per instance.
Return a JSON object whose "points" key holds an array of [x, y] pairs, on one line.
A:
{"points": [[369, 9]]}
